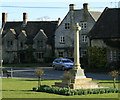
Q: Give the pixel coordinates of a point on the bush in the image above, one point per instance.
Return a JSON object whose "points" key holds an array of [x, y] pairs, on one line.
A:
{"points": [[64, 91], [97, 57], [35, 88]]}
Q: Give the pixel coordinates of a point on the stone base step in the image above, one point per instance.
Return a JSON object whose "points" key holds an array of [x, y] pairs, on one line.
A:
{"points": [[77, 81], [87, 85]]}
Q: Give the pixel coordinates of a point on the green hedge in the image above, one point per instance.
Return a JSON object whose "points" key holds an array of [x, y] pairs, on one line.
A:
{"points": [[64, 91], [97, 57]]}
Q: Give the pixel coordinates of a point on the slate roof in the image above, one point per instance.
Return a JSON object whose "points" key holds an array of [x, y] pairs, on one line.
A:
{"points": [[107, 26], [32, 28], [95, 14]]}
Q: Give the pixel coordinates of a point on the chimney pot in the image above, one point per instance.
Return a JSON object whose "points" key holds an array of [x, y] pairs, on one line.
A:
{"points": [[24, 18], [86, 6], [71, 7], [4, 18]]}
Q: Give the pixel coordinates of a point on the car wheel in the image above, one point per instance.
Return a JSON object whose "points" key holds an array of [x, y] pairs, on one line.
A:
{"points": [[54, 68]]}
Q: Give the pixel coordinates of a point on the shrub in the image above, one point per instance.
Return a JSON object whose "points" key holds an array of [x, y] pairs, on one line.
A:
{"points": [[65, 91], [39, 72], [35, 88], [97, 57], [114, 74]]}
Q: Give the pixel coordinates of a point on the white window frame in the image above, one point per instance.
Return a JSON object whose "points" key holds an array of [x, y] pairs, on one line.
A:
{"points": [[67, 25], [84, 38], [62, 39], [83, 25]]}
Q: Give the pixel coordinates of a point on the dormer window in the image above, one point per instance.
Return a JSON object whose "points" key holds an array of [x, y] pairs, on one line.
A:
{"points": [[83, 25], [21, 44], [67, 25], [9, 43]]}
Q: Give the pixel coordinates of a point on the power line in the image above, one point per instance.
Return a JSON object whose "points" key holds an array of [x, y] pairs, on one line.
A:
{"points": [[31, 7], [40, 7]]}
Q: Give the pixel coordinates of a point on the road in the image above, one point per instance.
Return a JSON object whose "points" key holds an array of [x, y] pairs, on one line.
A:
{"points": [[50, 74]]}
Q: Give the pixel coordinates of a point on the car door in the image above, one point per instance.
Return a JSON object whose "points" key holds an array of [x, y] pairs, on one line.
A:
{"points": [[57, 64]]}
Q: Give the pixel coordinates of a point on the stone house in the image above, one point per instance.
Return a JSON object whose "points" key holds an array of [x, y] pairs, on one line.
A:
{"points": [[106, 33], [64, 35], [27, 41]]}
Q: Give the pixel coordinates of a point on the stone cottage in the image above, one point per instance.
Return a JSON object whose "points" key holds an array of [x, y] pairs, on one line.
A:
{"points": [[64, 35], [27, 41], [106, 33]]}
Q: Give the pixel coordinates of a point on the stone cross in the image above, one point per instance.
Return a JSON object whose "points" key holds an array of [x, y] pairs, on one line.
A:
{"points": [[77, 28]]}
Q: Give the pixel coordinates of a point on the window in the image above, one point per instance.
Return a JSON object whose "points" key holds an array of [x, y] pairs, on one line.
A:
{"points": [[83, 25], [21, 44], [115, 55], [60, 54], [9, 43], [84, 38], [40, 55], [119, 55], [111, 55], [67, 25], [84, 52], [62, 39]]}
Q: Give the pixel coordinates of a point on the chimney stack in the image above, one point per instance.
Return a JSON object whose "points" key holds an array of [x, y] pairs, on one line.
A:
{"points": [[71, 7], [86, 6], [4, 18], [25, 18], [59, 21]]}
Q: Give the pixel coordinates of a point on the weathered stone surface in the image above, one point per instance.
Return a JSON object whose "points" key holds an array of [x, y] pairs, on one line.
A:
{"points": [[79, 84]]}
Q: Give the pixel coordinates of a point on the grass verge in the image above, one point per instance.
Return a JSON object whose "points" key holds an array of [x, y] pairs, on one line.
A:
{"points": [[22, 88]]}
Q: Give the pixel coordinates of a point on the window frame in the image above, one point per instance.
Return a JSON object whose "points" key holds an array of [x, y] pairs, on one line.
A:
{"points": [[67, 25], [62, 39], [62, 53], [83, 25], [84, 38]]}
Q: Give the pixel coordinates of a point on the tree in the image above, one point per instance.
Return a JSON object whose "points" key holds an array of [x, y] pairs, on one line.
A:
{"points": [[68, 76], [39, 72], [114, 74]]}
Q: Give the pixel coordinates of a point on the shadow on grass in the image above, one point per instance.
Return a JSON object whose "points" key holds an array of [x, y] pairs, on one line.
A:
{"points": [[19, 90], [36, 80]]}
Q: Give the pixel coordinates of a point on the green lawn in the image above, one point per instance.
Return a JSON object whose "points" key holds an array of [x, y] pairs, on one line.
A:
{"points": [[21, 88]]}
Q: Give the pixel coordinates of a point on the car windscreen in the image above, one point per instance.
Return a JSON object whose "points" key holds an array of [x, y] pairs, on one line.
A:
{"points": [[67, 61]]}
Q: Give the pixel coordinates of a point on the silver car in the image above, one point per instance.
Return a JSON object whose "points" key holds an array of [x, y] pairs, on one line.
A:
{"points": [[62, 64]]}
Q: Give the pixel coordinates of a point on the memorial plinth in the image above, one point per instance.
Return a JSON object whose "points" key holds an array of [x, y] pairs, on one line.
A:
{"points": [[78, 79]]}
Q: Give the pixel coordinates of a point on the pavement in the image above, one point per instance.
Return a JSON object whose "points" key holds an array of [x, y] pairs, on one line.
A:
{"points": [[50, 74]]}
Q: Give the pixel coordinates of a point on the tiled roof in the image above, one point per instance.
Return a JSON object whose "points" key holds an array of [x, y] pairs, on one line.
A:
{"points": [[108, 25], [32, 28], [95, 14]]}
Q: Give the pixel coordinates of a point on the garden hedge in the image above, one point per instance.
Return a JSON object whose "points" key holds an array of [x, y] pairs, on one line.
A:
{"points": [[64, 91]]}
